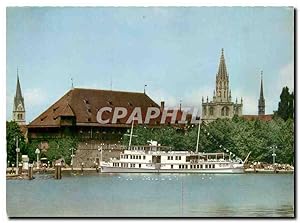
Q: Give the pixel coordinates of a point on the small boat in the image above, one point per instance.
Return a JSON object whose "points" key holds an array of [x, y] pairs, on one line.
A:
{"points": [[154, 158]]}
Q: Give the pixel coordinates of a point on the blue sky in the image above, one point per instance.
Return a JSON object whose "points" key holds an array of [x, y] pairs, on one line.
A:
{"points": [[175, 51]]}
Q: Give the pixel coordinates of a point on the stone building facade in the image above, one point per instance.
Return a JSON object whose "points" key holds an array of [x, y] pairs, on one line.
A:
{"points": [[221, 106]]}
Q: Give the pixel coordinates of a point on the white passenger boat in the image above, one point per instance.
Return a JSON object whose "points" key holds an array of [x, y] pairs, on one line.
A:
{"points": [[155, 159], [151, 159]]}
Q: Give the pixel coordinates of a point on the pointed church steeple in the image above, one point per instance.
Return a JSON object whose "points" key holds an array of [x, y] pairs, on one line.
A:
{"points": [[19, 106], [261, 101], [222, 72], [222, 81]]}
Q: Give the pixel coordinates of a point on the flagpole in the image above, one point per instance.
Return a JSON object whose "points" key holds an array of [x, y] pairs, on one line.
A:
{"points": [[131, 131]]}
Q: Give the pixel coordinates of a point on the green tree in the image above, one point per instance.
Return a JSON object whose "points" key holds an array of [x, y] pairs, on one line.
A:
{"points": [[286, 105], [13, 132], [60, 148]]}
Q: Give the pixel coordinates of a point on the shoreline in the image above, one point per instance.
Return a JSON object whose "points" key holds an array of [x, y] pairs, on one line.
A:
{"points": [[24, 175]]}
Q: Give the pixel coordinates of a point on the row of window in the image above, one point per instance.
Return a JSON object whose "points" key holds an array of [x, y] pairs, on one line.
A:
{"points": [[176, 157], [198, 166], [133, 157], [132, 165]]}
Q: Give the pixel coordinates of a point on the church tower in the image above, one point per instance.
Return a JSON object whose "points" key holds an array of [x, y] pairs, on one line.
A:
{"points": [[19, 106], [261, 101], [222, 81], [221, 106]]}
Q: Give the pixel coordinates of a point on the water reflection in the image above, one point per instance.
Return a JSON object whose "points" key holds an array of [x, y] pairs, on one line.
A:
{"points": [[153, 195]]}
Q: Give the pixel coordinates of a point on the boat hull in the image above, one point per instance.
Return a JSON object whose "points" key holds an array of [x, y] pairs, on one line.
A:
{"points": [[106, 169]]}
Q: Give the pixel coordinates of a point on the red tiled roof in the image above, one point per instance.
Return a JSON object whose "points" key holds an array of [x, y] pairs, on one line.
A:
{"points": [[258, 117], [83, 105]]}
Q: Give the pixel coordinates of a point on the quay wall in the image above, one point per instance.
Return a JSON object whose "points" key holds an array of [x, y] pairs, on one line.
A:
{"points": [[89, 153]]}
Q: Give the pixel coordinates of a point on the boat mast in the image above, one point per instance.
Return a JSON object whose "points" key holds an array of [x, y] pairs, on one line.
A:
{"points": [[198, 136], [131, 131]]}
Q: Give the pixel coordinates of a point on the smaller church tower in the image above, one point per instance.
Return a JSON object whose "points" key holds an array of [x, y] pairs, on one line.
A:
{"points": [[19, 106], [261, 101]]}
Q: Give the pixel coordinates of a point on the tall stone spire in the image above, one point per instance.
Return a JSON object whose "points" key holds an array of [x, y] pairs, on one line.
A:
{"points": [[261, 101], [19, 106], [222, 72], [222, 81]]}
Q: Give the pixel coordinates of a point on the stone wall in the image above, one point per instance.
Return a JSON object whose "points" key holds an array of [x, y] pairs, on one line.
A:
{"points": [[89, 152]]}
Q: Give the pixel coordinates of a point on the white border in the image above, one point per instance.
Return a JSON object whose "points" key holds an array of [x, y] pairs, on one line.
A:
{"points": [[6, 3]]}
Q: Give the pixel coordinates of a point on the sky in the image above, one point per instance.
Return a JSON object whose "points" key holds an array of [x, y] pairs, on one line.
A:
{"points": [[175, 51]]}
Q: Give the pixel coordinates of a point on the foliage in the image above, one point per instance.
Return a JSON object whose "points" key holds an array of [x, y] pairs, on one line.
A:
{"points": [[286, 105], [61, 148], [13, 132], [239, 136]]}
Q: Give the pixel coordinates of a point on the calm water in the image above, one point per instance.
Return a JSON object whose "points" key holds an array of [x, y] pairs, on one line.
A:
{"points": [[151, 195]]}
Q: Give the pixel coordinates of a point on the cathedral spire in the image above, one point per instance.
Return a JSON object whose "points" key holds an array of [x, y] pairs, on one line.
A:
{"points": [[261, 101], [18, 88], [19, 106], [222, 72]]}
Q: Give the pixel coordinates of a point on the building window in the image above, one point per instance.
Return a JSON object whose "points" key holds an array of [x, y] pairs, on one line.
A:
{"points": [[140, 165], [171, 166], [211, 111], [176, 157], [225, 111], [144, 157], [179, 157]]}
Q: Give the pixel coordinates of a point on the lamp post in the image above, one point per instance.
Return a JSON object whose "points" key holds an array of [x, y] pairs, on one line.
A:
{"points": [[37, 152], [100, 151], [72, 158], [17, 151], [274, 155]]}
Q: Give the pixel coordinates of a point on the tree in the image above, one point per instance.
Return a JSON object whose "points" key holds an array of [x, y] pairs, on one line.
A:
{"points": [[60, 148], [286, 105], [13, 132], [238, 136]]}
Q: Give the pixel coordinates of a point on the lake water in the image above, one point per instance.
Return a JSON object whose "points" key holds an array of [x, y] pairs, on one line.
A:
{"points": [[153, 195]]}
